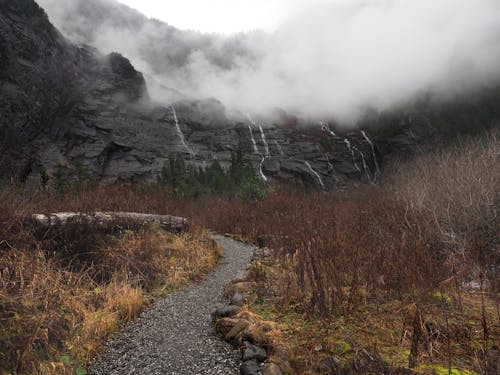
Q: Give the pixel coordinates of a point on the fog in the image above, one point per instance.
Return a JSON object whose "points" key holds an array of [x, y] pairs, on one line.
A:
{"points": [[330, 60]]}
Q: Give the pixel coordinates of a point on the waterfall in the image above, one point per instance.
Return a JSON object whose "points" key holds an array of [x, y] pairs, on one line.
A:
{"points": [[280, 149], [365, 166], [326, 128], [255, 149], [264, 141], [261, 169], [377, 174], [316, 174], [349, 147], [330, 165], [179, 131]]}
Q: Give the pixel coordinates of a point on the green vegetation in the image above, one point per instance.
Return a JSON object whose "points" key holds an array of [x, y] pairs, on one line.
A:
{"points": [[75, 176], [240, 180]]}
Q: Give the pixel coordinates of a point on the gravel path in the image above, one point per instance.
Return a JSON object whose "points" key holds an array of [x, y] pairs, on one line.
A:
{"points": [[175, 336]]}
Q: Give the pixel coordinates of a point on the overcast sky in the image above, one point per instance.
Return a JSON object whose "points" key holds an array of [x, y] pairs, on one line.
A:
{"points": [[222, 16]]}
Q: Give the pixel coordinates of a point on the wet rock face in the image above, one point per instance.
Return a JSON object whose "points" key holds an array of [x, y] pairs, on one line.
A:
{"points": [[69, 104], [64, 104], [126, 78]]}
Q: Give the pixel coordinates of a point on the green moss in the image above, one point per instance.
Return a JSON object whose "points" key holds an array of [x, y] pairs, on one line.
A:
{"points": [[341, 347], [441, 297]]}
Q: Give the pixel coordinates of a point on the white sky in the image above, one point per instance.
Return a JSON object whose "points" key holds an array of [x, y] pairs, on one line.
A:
{"points": [[222, 16]]}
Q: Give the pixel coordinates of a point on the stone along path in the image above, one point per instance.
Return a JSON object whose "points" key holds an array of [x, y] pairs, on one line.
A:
{"points": [[175, 336]]}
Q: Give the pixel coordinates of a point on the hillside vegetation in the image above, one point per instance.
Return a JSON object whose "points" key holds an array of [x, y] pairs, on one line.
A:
{"points": [[406, 271]]}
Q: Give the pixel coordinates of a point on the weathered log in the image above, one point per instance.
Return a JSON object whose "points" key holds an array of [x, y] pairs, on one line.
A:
{"points": [[167, 222]]}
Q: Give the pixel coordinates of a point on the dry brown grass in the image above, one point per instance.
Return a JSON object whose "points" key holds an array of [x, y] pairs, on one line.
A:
{"points": [[421, 237], [63, 290], [375, 258]]}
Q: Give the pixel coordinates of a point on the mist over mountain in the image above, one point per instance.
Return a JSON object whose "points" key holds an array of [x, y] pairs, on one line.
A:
{"points": [[166, 55], [332, 60], [63, 103]]}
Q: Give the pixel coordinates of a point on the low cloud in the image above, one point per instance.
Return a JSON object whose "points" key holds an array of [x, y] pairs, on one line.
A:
{"points": [[331, 60]]}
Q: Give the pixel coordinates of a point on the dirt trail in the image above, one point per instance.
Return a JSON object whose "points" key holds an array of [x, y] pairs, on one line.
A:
{"points": [[175, 336]]}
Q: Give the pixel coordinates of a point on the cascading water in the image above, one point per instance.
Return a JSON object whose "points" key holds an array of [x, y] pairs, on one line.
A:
{"points": [[330, 165], [316, 174], [179, 131], [255, 149], [264, 141], [326, 128], [349, 147], [365, 166], [280, 149], [377, 173], [261, 169]]}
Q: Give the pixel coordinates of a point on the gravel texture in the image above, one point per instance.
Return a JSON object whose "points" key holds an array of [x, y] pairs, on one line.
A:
{"points": [[176, 336]]}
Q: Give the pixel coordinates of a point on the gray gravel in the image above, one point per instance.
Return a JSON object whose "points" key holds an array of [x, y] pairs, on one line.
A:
{"points": [[176, 336]]}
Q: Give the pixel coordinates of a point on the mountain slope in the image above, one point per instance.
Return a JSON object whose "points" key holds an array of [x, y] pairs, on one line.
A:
{"points": [[160, 50], [63, 104]]}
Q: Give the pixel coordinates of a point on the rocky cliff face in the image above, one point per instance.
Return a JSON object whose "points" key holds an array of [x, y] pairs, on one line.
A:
{"points": [[62, 104]]}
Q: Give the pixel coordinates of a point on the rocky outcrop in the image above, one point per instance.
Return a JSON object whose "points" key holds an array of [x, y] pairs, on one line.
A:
{"points": [[62, 104]]}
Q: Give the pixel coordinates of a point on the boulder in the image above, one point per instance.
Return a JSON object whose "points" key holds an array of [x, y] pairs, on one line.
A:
{"points": [[255, 334], [237, 299], [232, 335], [225, 312], [253, 352], [331, 366], [250, 368], [225, 325]]}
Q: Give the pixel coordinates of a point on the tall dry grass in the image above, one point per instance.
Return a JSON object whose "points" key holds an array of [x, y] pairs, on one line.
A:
{"points": [[431, 228], [432, 219], [65, 289], [426, 242]]}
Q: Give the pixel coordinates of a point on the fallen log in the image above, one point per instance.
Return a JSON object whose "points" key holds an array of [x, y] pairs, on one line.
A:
{"points": [[167, 222]]}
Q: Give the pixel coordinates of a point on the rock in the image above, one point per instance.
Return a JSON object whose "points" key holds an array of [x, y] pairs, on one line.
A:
{"points": [[284, 365], [225, 312], [243, 287], [250, 368], [331, 366], [62, 103], [366, 362], [253, 352], [255, 334], [232, 335], [225, 325], [280, 358], [237, 299], [271, 369]]}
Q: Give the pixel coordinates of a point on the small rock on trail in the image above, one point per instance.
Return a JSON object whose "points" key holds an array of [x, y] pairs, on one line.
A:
{"points": [[175, 336]]}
